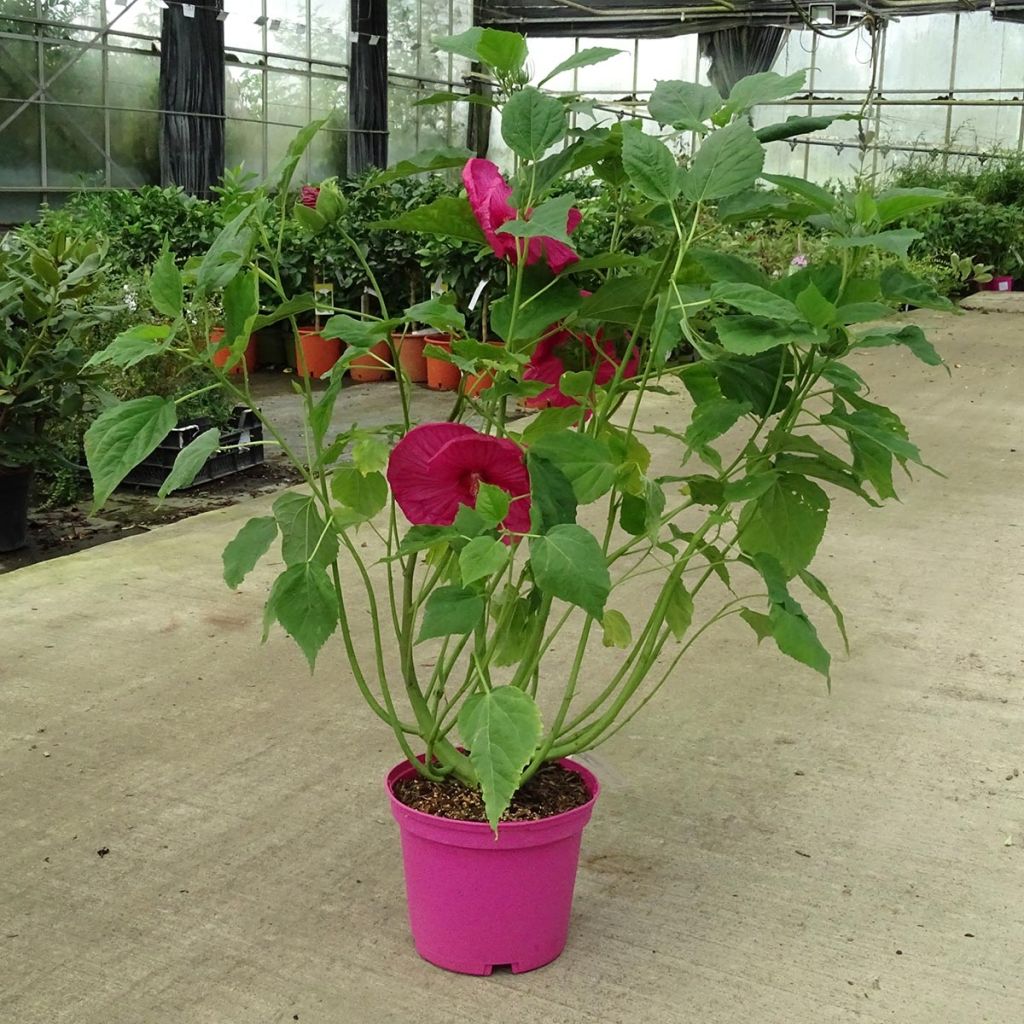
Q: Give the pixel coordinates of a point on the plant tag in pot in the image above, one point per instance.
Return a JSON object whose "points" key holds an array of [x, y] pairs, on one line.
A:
{"points": [[323, 293]]}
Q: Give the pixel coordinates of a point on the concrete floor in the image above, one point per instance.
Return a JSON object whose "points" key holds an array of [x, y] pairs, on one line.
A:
{"points": [[763, 852]]}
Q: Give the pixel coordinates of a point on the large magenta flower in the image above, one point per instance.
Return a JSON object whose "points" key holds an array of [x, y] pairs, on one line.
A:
{"points": [[309, 195], [437, 467], [561, 351], [489, 197]]}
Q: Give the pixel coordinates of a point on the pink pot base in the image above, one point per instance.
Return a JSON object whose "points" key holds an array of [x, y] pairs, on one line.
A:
{"points": [[476, 902]]}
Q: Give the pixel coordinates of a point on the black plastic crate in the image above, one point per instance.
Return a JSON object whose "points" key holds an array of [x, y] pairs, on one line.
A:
{"points": [[155, 469]]}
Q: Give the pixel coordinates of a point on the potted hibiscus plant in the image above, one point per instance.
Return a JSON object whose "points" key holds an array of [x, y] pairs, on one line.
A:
{"points": [[475, 544]]}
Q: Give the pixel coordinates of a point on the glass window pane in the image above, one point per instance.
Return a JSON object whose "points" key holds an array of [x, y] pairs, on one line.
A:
{"points": [[665, 60], [403, 36], [142, 18], [545, 55], [402, 123], [74, 146], [990, 54], [328, 152], [19, 145], [434, 21], [330, 21], [134, 149], [907, 41], [615, 75], [843, 66], [73, 74], [240, 28], [918, 125], [74, 12], [288, 27]]}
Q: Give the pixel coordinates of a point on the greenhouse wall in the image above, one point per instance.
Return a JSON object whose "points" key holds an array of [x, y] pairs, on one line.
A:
{"points": [[946, 86], [79, 89]]}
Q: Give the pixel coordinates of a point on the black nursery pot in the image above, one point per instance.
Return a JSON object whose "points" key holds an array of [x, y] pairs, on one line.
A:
{"points": [[14, 488]]}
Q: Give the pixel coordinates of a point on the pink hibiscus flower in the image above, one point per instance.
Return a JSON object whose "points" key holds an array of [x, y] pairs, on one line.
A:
{"points": [[309, 195], [437, 467], [489, 197], [559, 348]]}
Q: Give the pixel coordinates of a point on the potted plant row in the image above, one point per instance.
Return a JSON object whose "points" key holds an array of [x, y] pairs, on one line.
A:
{"points": [[488, 553]]}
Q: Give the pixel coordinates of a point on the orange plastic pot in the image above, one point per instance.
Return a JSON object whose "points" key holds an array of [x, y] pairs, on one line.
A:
{"points": [[373, 365], [441, 376], [410, 355], [315, 355], [480, 382], [220, 355]]}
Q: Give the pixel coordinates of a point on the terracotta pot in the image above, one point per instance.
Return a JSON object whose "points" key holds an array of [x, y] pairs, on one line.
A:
{"points": [[441, 376], [373, 365], [315, 355], [220, 355], [480, 382], [409, 347], [476, 901]]}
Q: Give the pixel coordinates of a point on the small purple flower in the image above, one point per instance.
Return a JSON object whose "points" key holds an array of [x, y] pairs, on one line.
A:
{"points": [[799, 260]]}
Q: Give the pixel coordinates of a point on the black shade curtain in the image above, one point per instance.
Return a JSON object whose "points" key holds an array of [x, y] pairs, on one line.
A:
{"points": [[192, 97], [738, 52], [368, 87]]}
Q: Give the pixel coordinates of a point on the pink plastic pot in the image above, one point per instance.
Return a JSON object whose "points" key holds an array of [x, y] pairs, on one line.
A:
{"points": [[476, 902], [999, 284]]}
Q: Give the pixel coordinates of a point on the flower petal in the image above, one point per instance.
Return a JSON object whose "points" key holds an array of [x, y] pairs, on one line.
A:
{"points": [[489, 194], [423, 497], [437, 467]]}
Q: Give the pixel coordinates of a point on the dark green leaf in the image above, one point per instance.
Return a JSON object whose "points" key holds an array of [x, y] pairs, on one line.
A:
{"points": [[501, 729], [532, 122], [165, 289], [650, 165], [585, 462], [748, 335], [294, 306], [432, 159], [797, 124], [641, 514], [816, 309], [728, 161], [786, 522], [121, 437], [896, 203], [820, 591], [249, 545], [618, 301], [304, 535], [450, 216], [189, 461], [552, 499], [910, 335], [132, 346], [366, 494], [895, 241], [361, 334], [481, 557], [581, 59], [504, 51], [679, 610], [534, 320], [684, 104], [763, 88], [568, 563], [751, 298], [304, 602], [821, 199], [712, 419], [549, 220], [451, 611], [899, 285], [492, 503]]}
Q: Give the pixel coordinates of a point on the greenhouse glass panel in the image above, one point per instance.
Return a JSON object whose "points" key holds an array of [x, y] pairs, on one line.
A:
{"points": [[142, 17], [662, 60], [329, 31], [613, 76], [545, 55], [842, 66], [404, 37], [402, 123], [906, 43]]}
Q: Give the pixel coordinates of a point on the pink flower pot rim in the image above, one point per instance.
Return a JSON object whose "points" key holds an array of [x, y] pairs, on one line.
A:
{"points": [[403, 770]]}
